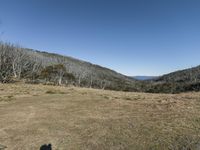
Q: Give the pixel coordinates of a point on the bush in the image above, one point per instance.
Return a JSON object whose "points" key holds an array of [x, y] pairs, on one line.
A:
{"points": [[57, 74]]}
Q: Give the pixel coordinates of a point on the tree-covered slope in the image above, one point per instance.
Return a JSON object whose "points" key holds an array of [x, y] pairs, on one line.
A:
{"points": [[37, 66], [34, 66], [176, 82]]}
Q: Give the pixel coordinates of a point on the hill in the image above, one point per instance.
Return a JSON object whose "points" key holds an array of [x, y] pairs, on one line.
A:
{"points": [[186, 75], [176, 82], [41, 67], [33, 66]]}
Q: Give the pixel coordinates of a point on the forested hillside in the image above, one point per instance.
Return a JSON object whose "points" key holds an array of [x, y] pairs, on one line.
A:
{"points": [[176, 82], [33, 66]]}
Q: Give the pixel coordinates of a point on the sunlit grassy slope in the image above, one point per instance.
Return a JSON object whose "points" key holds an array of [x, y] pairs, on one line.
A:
{"points": [[87, 119]]}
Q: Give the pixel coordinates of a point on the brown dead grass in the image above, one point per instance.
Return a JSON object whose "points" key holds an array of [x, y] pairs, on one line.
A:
{"points": [[80, 119]]}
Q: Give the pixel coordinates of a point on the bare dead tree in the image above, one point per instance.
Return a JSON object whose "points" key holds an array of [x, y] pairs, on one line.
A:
{"points": [[21, 62], [81, 75], [103, 84], [35, 68], [61, 70], [5, 63], [91, 81]]}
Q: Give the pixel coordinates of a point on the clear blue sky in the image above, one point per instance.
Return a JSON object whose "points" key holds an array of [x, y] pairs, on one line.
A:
{"points": [[134, 37]]}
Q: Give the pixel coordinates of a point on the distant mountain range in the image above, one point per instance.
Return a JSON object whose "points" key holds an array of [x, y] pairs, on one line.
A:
{"points": [[142, 78]]}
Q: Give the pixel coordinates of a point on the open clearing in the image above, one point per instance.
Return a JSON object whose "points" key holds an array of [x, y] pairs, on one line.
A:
{"points": [[86, 119]]}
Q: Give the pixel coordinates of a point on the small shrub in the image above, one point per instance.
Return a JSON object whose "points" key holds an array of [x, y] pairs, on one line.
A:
{"points": [[10, 96], [55, 92], [127, 98], [50, 92]]}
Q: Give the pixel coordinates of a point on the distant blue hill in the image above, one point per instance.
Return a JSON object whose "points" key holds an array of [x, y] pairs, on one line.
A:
{"points": [[144, 77]]}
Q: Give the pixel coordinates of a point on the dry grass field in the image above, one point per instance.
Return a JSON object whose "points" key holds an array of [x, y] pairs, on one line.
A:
{"points": [[87, 119]]}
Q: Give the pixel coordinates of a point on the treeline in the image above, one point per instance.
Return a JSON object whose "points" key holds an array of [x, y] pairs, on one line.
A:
{"points": [[32, 66]]}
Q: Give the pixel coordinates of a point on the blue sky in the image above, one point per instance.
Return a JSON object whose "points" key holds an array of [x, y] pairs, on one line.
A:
{"points": [[133, 37]]}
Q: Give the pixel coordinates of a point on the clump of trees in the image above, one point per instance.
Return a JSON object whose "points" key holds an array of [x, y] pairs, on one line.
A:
{"points": [[57, 74], [5, 63], [16, 63]]}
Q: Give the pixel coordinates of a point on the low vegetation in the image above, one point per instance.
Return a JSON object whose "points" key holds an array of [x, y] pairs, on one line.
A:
{"points": [[83, 118]]}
